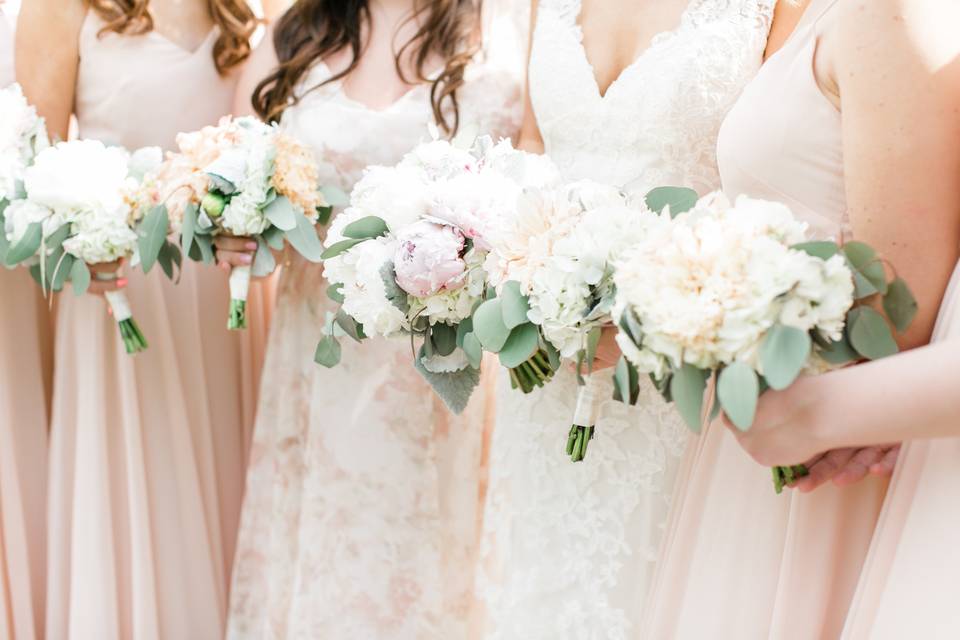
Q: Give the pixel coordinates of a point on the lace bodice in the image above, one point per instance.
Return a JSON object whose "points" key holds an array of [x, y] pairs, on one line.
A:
{"points": [[658, 122]]}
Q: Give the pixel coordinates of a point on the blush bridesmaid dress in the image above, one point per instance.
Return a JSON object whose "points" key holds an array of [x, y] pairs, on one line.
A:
{"points": [[25, 348], [741, 561], [148, 452]]}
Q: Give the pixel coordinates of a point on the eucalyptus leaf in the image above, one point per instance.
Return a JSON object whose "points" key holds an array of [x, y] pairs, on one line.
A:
{"points": [[323, 215], [349, 325], [626, 381], [204, 246], [337, 248], [61, 271], [679, 199], [27, 245], [366, 228], [152, 233], [473, 349], [822, 249], [686, 389], [170, 259], [465, 327], [737, 392], [305, 240], [282, 213], [4, 243], [444, 338], [328, 352], [263, 261], [188, 228], [553, 356], [782, 355], [900, 305], [397, 296], [521, 345], [80, 277], [335, 293], [489, 327], [334, 196], [869, 334], [274, 238], [55, 240], [870, 277], [514, 304], [839, 352]]}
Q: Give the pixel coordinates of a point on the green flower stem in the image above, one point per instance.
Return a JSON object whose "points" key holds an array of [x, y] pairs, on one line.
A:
{"points": [[133, 339], [784, 476], [238, 315]]}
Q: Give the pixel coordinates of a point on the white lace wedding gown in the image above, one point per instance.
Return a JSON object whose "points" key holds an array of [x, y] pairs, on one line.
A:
{"points": [[363, 494], [569, 548]]}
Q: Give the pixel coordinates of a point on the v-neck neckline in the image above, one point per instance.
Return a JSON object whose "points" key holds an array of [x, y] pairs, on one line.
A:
{"points": [[655, 42]]}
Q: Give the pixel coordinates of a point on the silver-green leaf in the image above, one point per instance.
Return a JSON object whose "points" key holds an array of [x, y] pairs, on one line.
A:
{"points": [[869, 334], [737, 390], [328, 352], [900, 305], [80, 277], [686, 388], [282, 213], [366, 228], [782, 355], [305, 240], [679, 199], [489, 327], [152, 234], [514, 304], [523, 342]]}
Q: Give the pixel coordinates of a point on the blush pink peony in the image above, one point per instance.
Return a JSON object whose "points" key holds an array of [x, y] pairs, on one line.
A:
{"points": [[429, 259]]}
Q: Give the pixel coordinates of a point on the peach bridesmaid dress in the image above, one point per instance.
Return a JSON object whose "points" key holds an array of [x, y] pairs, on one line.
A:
{"points": [[25, 347], [911, 579], [148, 452], [741, 561]]}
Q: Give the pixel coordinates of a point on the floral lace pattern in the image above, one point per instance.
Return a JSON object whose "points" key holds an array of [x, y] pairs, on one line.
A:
{"points": [[569, 549], [362, 506]]}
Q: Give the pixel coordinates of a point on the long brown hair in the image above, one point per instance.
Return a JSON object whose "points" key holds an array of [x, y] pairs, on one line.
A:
{"points": [[234, 18], [311, 29]]}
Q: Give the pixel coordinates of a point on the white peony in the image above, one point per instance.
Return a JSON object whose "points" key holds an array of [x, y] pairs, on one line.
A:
{"points": [[79, 175], [20, 214]]}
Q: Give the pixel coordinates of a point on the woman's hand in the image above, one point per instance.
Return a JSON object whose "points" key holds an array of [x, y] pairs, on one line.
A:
{"points": [[608, 351], [104, 277], [234, 251], [797, 425]]}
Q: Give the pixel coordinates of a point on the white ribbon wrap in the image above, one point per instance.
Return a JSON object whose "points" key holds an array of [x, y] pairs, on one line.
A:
{"points": [[239, 283], [589, 400], [119, 305]]}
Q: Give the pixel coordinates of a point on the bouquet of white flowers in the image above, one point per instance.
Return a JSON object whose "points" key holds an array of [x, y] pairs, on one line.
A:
{"points": [[407, 257], [244, 178], [22, 136], [554, 258], [739, 293], [79, 208]]}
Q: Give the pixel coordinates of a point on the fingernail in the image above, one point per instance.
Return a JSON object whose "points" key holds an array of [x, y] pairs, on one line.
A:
{"points": [[245, 259], [121, 282], [251, 246]]}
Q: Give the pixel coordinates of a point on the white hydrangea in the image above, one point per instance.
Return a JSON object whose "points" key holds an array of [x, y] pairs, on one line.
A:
{"points": [[707, 286], [101, 235], [22, 136], [243, 215]]}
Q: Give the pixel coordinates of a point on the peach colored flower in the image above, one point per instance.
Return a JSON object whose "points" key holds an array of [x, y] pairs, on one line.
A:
{"points": [[296, 176]]}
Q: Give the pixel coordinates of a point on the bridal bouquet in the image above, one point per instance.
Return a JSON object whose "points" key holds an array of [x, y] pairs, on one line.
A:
{"points": [[737, 292], [408, 257], [80, 207], [244, 178], [553, 264], [22, 136]]}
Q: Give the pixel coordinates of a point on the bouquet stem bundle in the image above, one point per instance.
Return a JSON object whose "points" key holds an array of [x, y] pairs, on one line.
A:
{"points": [[133, 338], [239, 290]]}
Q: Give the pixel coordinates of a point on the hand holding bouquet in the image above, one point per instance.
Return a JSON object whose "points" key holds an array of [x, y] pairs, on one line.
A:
{"points": [[738, 292], [248, 179]]}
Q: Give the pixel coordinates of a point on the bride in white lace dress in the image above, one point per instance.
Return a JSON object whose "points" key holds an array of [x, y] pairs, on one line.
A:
{"points": [[569, 548], [361, 514]]}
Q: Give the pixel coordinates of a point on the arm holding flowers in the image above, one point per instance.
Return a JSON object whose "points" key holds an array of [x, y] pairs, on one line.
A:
{"points": [[530, 138]]}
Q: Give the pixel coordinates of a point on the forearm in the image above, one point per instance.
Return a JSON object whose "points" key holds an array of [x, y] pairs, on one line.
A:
{"points": [[911, 396]]}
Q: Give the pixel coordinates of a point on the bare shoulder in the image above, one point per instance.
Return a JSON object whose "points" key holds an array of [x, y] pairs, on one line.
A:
{"points": [[54, 18], [887, 30]]}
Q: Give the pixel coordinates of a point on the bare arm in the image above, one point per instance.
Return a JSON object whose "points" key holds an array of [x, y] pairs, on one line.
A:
{"points": [[530, 138], [896, 73], [261, 63], [47, 57]]}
